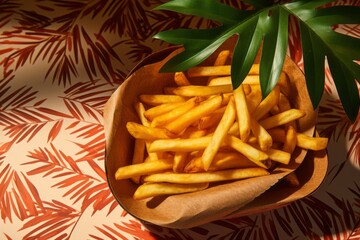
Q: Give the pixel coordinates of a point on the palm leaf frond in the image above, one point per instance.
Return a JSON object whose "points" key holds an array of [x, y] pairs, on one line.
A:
{"points": [[268, 25]]}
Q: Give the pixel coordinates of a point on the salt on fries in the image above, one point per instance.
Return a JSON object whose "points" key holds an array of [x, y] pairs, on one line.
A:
{"points": [[192, 135]]}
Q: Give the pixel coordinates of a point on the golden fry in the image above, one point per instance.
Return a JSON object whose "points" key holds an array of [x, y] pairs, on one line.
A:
{"points": [[147, 133], [157, 99], [224, 160], [138, 156], [278, 156], [302, 140], [180, 161], [201, 110], [282, 118], [180, 145], [218, 81], [242, 113], [193, 90], [194, 165], [144, 168], [234, 130], [180, 158], [139, 150], [156, 189], [180, 79], [311, 143], [153, 112], [204, 177], [220, 132], [246, 88], [263, 137], [140, 110], [252, 79], [290, 141], [208, 71], [253, 99], [226, 98], [221, 58], [193, 132], [225, 80], [152, 155], [165, 118], [221, 161], [209, 121], [284, 105], [267, 104], [247, 150]]}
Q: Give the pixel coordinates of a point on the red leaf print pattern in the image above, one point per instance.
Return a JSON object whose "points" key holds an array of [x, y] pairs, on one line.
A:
{"points": [[87, 99], [21, 118], [116, 232], [60, 62], [68, 175], [55, 130], [57, 221], [18, 194]]}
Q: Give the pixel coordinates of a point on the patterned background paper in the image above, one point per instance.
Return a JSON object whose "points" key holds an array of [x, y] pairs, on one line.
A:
{"points": [[60, 62]]}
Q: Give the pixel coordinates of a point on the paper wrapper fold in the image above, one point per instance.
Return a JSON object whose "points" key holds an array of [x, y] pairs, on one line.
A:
{"points": [[220, 201]]}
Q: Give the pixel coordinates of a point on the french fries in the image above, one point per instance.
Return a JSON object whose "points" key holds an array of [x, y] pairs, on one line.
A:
{"points": [[154, 100], [138, 156], [312, 143], [221, 161], [143, 168], [282, 118], [219, 134], [155, 189], [206, 177], [180, 79], [267, 104], [192, 135], [253, 154], [290, 140], [147, 133], [191, 91], [153, 112], [180, 145], [243, 115], [201, 110], [174, 113]]}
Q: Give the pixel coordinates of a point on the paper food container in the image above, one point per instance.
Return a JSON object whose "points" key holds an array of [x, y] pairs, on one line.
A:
{"points": [[226, 200]]}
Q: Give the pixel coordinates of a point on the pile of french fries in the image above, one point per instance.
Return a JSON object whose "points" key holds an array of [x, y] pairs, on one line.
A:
{"points": [[191, 135]]}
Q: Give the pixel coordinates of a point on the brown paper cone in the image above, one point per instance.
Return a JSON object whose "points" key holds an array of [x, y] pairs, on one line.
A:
{"points": [[226, 200]]}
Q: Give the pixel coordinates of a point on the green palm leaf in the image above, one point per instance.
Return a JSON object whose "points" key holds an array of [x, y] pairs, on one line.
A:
{"points": [[274, 48], [267, 25]]}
